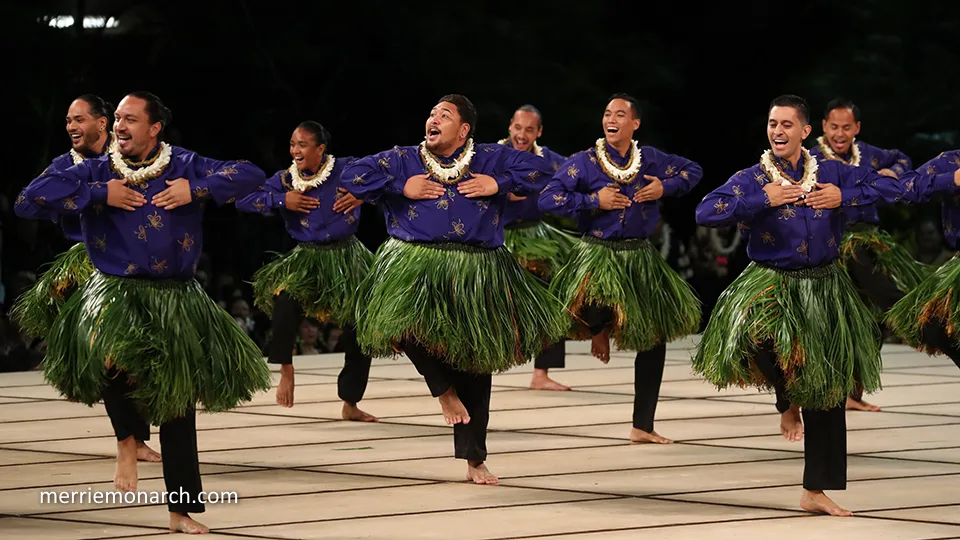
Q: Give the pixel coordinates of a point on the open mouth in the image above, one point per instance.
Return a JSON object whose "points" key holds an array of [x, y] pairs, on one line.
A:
{"points": [[779, 144], [433, 132], [613, 130], [298, 159], [76, 137]]}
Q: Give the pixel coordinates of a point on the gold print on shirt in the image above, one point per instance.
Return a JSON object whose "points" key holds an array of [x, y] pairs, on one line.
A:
{"points": [[573, 171], [803, 247], [767, 238], [69, 204], [100, 243], [458, 228], [131, 269], [187, 242], [738, 191], [412, 213], [158, 266], [786, 213], [141, 233], [156, 220], [721, 206]]}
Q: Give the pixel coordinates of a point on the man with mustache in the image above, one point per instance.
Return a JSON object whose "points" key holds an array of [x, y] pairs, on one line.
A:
{"points": [[538, 246], [141, 333], [88, 125], [929, 316], [793, 319], [882, 270], [615, 279], [319, 278], [443, 289]]}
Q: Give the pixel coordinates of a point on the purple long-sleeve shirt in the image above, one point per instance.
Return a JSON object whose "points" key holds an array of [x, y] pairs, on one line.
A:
{"points": [[148, 242], [321, 224], [873, 158], [528, 209], [573, 191], [380, 179], [934, 179], [793, 236]]}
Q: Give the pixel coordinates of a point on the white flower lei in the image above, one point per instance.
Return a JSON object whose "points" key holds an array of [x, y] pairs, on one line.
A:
{"points": [[807, 181], [146, 173], [78, 158], [447, 173], [614, 171], [300, 184], [535, 148], [828, 152]]}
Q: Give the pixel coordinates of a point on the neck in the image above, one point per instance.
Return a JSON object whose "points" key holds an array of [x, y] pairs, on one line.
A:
{"points": [[449, 151], [100, 146], [149, 150], [794, 158], [623, 147]]}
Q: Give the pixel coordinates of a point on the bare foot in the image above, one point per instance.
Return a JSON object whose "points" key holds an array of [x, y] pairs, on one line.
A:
{"points": [[125, 476], [541, 381], [478, 473], [354, 414], [183, 523], [453, 410], [860, 405], [817, 501], [791, 424], [600, 346], [640, 436], [145, 453], [285, 389]]}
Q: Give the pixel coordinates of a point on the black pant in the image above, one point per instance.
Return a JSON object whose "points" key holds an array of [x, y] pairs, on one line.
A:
{"points": [[935, 334], [552, 357], [469, 440], [647, 369], [825, 432], [287, 314], [178, 442]]}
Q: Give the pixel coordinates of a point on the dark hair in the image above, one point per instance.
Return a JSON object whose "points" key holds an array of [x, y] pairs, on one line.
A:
{"points": [[156, 110], [531, 109], [320, 133], [796, 102], [468, 113], [629, 99], [842, 103], [98, 107]]}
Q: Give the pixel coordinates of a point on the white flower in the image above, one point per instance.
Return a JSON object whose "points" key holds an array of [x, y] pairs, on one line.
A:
{"points": [[828, 152], [535, 148], [447, 173], [624, 175], [140, 175], [301, 184], [807, 181]]}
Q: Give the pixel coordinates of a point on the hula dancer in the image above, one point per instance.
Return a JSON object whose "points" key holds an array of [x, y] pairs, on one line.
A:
{"points": [[443, 289], [928, 318], [88, 122], [141, 333], [318, 278], [793, 319], [882, 270], [540, 248], [615, 279]]}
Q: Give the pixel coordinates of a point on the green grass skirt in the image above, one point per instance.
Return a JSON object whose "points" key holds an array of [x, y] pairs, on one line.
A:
{"points": [[475, 307], [323, 278], [651, 303], [38, 307], [823, 334], [937, 298], [176, 345], [891, 258], [539, 247]]}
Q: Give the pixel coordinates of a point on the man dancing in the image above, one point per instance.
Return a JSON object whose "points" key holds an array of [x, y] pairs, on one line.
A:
{"points": [[615, 279], [319, 278], [929, 316], [88, 125], [882, 270], [793, 319], [141, 333], [539, 247], [443, 289]]}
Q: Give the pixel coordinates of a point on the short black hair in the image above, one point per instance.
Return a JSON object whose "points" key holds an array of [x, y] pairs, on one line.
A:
{"points": [[531, 109], [629, 99], [98, 107], [320, 133], [468, 113], [796, 102], [156, 110], [842, 103]]}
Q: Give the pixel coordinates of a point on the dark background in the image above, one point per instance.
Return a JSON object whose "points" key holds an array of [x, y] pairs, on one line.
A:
{"points": [[239, 76]]}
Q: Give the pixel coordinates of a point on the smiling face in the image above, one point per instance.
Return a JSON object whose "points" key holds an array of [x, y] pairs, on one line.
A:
{"points": [[84, 130], [445, 129], [136, 134], [305, 151], [619, 123], [840, 128], [525, 128], [786, 132]]}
